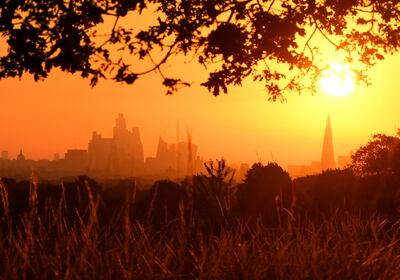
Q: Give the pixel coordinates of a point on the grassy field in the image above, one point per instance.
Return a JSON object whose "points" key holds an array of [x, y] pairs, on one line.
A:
{"points": [[52, 246], [343, 247]]}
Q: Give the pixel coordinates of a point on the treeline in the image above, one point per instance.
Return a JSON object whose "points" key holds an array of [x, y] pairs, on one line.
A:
{"points": [[211, 200]]}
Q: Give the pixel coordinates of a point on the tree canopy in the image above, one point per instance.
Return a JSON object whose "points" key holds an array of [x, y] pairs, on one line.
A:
{"points": [[268, 40], [265, 191], [380, 156]]}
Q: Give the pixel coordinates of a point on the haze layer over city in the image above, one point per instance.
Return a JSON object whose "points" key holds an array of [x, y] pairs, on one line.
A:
{"points": [[50, 117]]}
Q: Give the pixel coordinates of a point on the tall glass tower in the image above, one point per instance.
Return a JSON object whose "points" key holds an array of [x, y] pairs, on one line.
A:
{"points": [[327, 157]]}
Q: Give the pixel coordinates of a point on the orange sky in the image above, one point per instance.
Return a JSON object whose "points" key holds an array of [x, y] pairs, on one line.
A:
{"points": [[47, 117], [51, 116]]}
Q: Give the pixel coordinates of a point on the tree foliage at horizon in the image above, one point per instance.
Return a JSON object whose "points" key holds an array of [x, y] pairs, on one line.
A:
{"points": [[232, 39], [380, 156]]}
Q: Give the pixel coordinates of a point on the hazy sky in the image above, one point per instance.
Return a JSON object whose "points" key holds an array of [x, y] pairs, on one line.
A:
{"points": [[48, 117]]}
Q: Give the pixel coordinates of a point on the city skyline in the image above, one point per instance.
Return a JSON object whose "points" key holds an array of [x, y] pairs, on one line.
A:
{"points": [[119, 156], [122, 155]]}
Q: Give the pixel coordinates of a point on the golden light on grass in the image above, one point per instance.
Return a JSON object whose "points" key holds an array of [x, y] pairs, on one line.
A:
{"points": [[338, 80]]}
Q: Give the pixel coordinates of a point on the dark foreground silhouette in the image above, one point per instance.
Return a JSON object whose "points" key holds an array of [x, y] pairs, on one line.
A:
{"points": [[335, 224]]}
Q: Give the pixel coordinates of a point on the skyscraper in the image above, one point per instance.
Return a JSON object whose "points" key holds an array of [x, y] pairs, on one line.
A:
{"points": [[327, 157], [120, 156], [21, 156]]}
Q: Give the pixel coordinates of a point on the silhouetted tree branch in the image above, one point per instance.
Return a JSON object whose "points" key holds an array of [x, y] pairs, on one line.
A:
{"points": [[236, 37]]}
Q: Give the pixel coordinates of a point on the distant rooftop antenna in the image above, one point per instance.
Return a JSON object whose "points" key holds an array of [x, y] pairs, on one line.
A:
{"points": [[190, 153], [258, 157], [273, 158], [178, 152]]}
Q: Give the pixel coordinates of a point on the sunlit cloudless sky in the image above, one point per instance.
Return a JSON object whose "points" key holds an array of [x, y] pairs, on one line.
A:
{"points": [[61, 112]]}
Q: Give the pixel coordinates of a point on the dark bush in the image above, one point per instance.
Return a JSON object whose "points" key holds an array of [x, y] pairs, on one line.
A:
{"points": [[266, 192]]}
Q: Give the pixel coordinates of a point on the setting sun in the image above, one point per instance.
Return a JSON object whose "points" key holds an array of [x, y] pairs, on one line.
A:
{"points": [[337, 80]]}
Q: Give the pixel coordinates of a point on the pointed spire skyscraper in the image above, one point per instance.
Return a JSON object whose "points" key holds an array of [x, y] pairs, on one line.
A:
{"points": [[327, 157]]}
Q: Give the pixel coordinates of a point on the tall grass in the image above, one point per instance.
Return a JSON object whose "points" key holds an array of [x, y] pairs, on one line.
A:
{"points": [[50, 246]]}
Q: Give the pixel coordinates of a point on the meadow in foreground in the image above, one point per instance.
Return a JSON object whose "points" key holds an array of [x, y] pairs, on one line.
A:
{"points": [[79, 231]]}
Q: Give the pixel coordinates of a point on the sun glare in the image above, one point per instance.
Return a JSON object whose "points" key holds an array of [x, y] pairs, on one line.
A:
{"points": [[337, 80]]}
